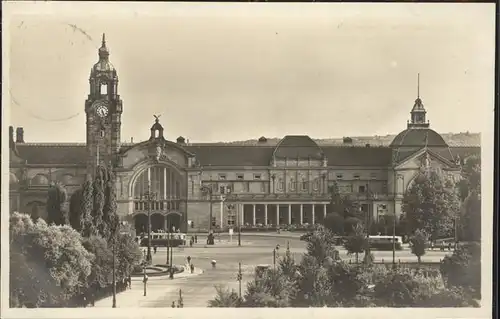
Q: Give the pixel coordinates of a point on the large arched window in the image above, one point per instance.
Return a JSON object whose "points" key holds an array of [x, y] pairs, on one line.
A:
{"points": [[165, 185]]}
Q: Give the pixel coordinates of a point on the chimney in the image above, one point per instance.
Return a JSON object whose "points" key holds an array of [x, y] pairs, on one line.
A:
{"points": [[19, 135], [181, 140], [11, 137]]}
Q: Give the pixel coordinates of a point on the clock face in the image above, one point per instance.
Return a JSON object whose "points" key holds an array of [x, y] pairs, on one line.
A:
{"points": [[101, 110]]}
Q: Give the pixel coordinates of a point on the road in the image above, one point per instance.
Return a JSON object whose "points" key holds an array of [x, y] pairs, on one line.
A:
{"points": [[255, 250]]}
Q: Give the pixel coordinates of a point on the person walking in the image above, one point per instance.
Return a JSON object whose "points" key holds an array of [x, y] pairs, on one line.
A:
{"points": [[192, 268], [154, 249], [214, 263], [189, 260], [195, 239]]}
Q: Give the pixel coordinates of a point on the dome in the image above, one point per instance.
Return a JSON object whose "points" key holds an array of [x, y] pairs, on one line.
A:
{"points": [[103, 66], [418, 137], [298, 146]]}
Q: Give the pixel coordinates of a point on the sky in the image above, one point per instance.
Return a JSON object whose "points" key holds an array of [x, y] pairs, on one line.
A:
{"points": [[227, 72]]}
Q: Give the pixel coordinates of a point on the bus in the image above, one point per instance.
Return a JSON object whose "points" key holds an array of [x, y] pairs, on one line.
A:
{"points": [[163, 239], [385, 242]]}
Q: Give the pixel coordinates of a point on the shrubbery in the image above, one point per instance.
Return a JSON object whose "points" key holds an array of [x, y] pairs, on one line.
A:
{"points": [[55, 265], [321, 279]]}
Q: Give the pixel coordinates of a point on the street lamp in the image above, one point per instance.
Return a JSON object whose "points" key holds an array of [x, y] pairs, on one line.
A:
{"points": [[396, 179], [145, 277], [149, 197], [171, 276], [209, 190]]}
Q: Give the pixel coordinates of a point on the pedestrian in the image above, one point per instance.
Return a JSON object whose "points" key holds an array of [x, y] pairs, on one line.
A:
{"points": [[130, 282], [214, 263], [196, 239], [192, 268], [189, 260], [154, 248], [173, 304], [85, 303], [449, 246]]}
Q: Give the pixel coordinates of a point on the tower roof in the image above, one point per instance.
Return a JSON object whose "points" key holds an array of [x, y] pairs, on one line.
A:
{"points": [[103, 65]]}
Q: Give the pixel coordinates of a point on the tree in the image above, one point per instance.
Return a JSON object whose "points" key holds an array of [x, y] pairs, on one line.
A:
{"points": [[335, 223], [86, 208], [56, 210], [270, 289], [99, 226], [48, 264], [431, 204], [224, 298], [463, 268], [128, 255], [110, 217], [418, 244], [100, 276], [356, 242], [75, 210], [470, 193]]}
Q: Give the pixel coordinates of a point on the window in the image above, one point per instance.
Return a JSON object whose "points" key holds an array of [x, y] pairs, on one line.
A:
{"points": [[104, 88], [340, 176], [316, 184], [256, 176], [373, 175], [361, 189], [222, 177], [384, 187], [292, 185], [280, 184], [304, 185], [239, 177], [247, 187], [356, 176], [222, 189]]}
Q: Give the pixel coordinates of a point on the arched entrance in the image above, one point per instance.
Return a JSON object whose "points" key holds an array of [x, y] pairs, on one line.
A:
{"points": [[157, 222], [141, 223], [173, 220]]}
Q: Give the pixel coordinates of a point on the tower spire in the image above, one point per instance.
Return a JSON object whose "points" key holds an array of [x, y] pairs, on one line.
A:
{"points": [[418, 85], [103, 40]]}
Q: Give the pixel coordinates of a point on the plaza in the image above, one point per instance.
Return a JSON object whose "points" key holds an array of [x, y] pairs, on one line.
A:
{"points": [[199, 288]]}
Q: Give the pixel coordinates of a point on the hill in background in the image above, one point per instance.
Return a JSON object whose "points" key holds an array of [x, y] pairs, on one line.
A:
{"points": [[465, 139]]}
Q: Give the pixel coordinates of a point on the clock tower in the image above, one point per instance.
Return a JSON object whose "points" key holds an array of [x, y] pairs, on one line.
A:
{"points": [[103, 109]]}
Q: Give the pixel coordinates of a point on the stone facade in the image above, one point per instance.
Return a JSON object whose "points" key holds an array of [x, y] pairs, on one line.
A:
{"points": [[268, 184]]}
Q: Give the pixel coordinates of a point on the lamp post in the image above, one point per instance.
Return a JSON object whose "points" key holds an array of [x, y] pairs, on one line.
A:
{"points": [[144, 278], [239, 225], [240, 278], [171, 276], [396, 179], [208, 189], [149, 197]]}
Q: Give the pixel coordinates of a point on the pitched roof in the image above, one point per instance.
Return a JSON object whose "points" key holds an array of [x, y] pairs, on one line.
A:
{"points": [[357, 156], [53, 153], [227, 155]]}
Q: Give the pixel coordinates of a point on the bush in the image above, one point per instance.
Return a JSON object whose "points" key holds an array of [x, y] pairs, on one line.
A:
{"points": [[48, 264], [225, 298], [463, 268]]}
